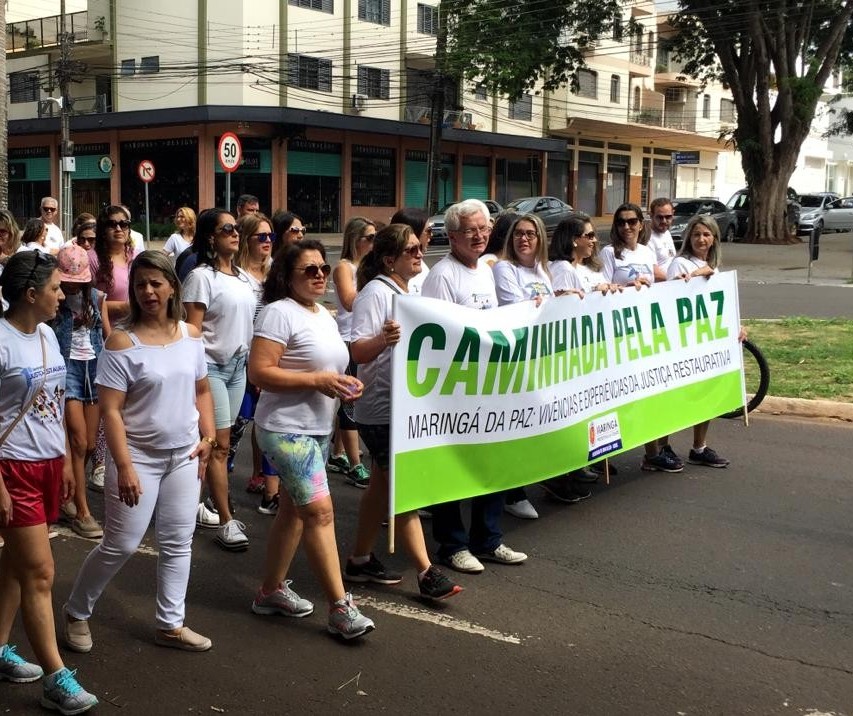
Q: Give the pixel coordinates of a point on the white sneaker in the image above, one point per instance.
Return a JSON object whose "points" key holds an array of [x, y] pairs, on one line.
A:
{"points": [[232, 536], [95, 481], [522, 509], [503, 555], [206, 518], [68, 511], [464, 561]]}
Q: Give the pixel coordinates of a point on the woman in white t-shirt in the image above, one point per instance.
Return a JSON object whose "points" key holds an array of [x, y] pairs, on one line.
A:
{"points": [[182, 239], [34, 236], [396, 258], [35, 474], [220, 302], [575, 263], [523, 274], [298, 360], [358, 240], [418, 221], [627, 261]]}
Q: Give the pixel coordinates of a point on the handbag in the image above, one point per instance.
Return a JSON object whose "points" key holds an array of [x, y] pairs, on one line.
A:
{"points": [[32, 398]]}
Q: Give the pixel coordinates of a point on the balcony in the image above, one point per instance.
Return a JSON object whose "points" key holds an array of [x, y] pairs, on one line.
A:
{"points": [[96, 104], [652, 117], [453, 118], [638, 57], [45, 32]]}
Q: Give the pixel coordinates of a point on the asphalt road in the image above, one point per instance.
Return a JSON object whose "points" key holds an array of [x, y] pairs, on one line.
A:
{"points": [[710, 592]]}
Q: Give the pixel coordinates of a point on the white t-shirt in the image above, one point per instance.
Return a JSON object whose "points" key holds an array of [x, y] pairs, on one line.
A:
{"points": [[176, 244], [137, 241], [371, 309], [343, 317], [450, 281], [514, 283], [229, 303], [312, 343], [416, 283], [54, 239], [633, 265], [81, 336], [588, 278], [36, 246], [663, 247], [564, 277], [684, 264], [160, 383], [40, 434]]}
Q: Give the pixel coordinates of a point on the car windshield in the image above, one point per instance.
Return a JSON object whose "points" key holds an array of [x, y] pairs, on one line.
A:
{"points": [[686, 208], [522, 206], [812, 202]]}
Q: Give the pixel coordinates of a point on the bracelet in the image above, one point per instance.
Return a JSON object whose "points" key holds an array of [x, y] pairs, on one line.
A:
{"points": [[213, 442]]}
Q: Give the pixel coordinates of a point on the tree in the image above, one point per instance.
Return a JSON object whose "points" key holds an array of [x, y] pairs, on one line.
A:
{"points": [[776, 57]]}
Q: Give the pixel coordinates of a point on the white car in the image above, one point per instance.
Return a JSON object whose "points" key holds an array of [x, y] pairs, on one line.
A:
{"points": [[839, 215]]}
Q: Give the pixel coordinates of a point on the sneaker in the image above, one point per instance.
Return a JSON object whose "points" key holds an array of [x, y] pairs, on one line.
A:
{"points": [[670, 453], [232, 536], [565, 490], [522, 509], [208, 519], [707, 457], [76, 633], [186, 639], [503, 555], [67, 511], [95, 481], [283, 601], [345, 620], [87, 527], [232, 508], [62, 693], [256, 484], [661, 463], [359, 476], [339, 463], [269, 506], [371, 571], [463, 561], [598, 468], [13, 668], [435, 584]]}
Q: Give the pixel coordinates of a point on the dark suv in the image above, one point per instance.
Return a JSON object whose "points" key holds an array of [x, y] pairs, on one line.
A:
{"points": [[739, 203]]}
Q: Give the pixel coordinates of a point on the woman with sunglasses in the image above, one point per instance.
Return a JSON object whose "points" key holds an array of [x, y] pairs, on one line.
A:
{"points": [[627, 261], [111, 258], [84, 223], [573, 253], [35, 475], [220, 302], [288, 229], [358, 240], [298, 361], [396, 258], [182, 239], [418, 221]]}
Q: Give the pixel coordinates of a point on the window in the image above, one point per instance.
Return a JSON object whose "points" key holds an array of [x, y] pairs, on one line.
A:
{"points": [[522, 108], [480, 92], [617, 26], [727, 111], [706, 106], [24, 87], [427, 19], [128, 68], [378, 11], [615, 89], [374, 176], [309, 72], [321, 5], [373, 82], [588, 84], [149, 65]]}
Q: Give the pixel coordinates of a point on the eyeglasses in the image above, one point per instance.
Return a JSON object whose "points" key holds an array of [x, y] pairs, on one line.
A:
{"points": [[529, 234], [478, 231], [117, 224], [85, 239], [264, 237], [632, 222], [226, 229], [414, 251], [48, 209], [297, 229], [665, 217], [40, 259], [588, 235], [368, 237], [314, 270]]}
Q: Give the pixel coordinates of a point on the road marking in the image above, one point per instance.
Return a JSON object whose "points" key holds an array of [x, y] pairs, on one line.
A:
{"points": [[68, 532], [441, 620]]}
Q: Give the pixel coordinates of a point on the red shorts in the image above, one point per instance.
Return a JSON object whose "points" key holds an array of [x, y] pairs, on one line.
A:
{"points": [[35, 488]]}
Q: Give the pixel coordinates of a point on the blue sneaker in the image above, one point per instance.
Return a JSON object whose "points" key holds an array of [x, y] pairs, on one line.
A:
{"points": [[13, 668], [62, 693]]}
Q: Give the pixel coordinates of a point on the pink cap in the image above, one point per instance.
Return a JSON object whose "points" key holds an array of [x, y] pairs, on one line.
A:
{"points": [[74, 264]]}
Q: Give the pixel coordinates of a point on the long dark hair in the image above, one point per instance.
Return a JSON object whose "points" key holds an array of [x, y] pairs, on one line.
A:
{"points": [[104, 274], [26, 269], [413, 217], [279, 279], [205, 229], [500, 231], [33, 230], [562, 246], [615, 238], [281, 223], [389, 242]]}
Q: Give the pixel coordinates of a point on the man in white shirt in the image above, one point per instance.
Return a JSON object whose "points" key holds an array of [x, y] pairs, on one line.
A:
{"points": [[460, 278], [50, 215], [660, 240]]}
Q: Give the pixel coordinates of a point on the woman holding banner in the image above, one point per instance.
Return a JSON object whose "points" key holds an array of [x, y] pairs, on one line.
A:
{"points": [[386, 270]]}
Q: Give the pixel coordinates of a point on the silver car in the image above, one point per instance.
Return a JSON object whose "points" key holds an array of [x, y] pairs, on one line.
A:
{"points": [[686, 209], [839, 215]]}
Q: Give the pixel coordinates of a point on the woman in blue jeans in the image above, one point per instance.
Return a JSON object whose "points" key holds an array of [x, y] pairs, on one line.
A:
{"points": [[220, 302]]}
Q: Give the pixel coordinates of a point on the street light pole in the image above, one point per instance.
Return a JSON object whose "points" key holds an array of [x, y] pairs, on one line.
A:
{"points": [[66, 146]]}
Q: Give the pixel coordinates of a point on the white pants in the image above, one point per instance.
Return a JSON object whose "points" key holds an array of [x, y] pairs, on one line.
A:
{"points": [[170, 488]]}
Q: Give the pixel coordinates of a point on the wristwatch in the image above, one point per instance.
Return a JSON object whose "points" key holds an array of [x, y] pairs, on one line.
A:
{"points": [[213, 442]]}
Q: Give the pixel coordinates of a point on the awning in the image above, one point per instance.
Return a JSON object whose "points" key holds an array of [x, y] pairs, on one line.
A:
{"points": [[631, 132]]}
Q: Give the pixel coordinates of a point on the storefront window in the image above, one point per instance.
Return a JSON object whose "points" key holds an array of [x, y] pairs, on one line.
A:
{"points": [[373, 176]]}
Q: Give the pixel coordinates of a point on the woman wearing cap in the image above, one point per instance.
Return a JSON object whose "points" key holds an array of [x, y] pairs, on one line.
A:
{"points": [[34, 475], [111, 257], [81, 327]]}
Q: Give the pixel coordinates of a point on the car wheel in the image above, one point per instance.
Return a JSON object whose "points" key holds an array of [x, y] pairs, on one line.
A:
{"points": [[730, 234]]}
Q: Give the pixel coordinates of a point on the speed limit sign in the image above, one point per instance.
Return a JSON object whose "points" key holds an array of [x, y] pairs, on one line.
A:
{"points": [[230, 152]]}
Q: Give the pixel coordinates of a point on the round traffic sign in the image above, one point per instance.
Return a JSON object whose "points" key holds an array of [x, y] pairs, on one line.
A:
{"points": [[145, 170], [230, 152]]}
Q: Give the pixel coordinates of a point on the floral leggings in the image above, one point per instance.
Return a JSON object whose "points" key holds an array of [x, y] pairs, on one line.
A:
{"points": [[300, 461]]}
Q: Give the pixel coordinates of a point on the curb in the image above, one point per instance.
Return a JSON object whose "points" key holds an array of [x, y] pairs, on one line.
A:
{"points": [[802, 408]]}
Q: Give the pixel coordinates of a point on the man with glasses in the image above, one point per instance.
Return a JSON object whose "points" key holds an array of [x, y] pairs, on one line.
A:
{"points": [[660, 240], [50, 215], [460, 278]]}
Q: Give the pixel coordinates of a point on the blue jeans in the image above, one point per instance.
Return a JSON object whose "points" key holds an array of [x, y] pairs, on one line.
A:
{"points": [[485, 534], [227, 386]]}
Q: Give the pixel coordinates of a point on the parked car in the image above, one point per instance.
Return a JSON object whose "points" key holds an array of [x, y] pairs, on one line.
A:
{"points": [[439, 235], [686, 209], [814, 208], [739, 203], [839, 215], [548, 208]]}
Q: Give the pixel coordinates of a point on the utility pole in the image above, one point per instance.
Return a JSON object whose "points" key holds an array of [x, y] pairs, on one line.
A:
{"points": [[4, 122], [66, 146], [436, 117]]}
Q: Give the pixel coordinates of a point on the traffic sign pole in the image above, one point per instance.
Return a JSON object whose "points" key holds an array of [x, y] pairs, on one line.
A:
{"points": [[145, 171], [228, 191], [147, 220], [230, 154]]}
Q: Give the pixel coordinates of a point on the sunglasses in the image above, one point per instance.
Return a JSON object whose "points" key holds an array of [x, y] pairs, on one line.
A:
{"points": [[48, 209], [117, 224], [632, 222], [227, 229], [314, 270], [414, 251], [41, 259], [85, 239], [588, 235], [297, 229], [264, 237]]}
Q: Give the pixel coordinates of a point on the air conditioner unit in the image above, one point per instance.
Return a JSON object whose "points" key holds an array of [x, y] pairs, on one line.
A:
{"points": [[676, 95], [359, 102]]}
